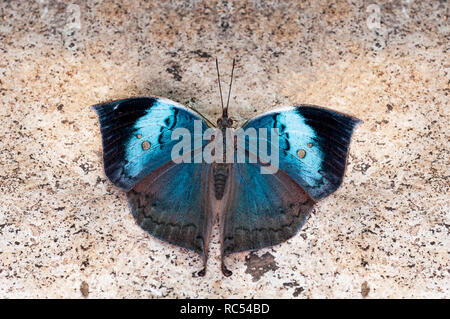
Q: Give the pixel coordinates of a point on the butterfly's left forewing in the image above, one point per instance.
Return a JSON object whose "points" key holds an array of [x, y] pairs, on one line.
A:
{"points": [[166, 198], [136, 136]]}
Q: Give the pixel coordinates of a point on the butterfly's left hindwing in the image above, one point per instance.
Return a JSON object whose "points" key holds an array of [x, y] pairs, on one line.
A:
{"points": [[171, 203], [136, 136]]}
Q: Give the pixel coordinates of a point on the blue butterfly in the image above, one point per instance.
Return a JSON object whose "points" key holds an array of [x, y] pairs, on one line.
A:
{"points": [[177, 202]]}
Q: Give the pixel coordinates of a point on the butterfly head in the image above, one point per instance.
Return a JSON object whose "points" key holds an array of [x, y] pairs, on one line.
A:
{"points": [[225, 121]]}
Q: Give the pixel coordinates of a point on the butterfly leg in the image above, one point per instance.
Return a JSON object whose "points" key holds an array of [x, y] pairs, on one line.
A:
{"points": [[225, 271], [202, 272]]}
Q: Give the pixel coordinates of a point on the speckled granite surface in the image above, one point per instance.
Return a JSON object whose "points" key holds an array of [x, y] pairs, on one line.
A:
{"points": [[65, 231]]}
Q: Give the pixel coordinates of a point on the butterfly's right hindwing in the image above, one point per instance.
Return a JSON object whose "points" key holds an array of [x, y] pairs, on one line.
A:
{"points": [[262, 210]]}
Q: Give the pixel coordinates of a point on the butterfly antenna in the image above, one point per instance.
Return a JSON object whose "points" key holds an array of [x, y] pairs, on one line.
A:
{"points": [[220, 87], [229, 91]]}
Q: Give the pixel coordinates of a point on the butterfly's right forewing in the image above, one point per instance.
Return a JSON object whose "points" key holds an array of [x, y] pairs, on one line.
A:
{"points": [[266, 209]]}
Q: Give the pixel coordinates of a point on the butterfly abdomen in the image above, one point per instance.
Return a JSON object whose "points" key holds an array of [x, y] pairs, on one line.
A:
{"points": [[220, 175]]}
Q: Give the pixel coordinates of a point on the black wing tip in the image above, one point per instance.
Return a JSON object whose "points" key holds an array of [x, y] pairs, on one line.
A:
{"points": [[96, 107], [328, 123], [354, 121], [357, 121], [101, 108]]}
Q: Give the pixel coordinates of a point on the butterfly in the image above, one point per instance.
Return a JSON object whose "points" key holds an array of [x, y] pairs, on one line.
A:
{"points": [[178, 202]]}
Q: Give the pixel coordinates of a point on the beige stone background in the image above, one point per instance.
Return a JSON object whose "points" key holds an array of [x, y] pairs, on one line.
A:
{"points": [[65, 231]]}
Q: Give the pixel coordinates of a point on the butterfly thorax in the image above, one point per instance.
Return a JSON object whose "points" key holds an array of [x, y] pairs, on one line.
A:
{"points": [[221, 170]]}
